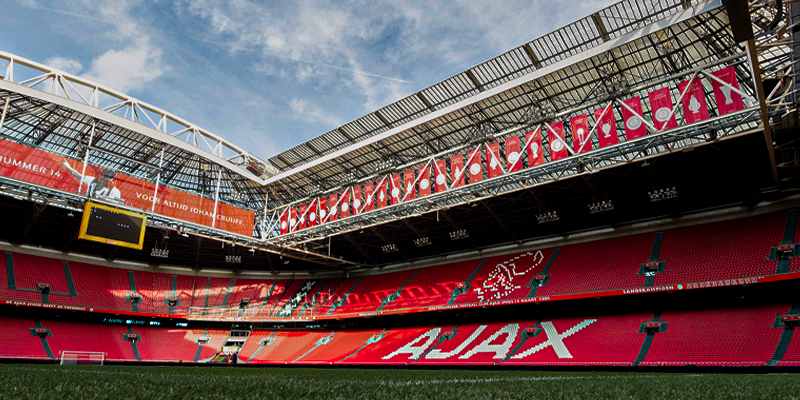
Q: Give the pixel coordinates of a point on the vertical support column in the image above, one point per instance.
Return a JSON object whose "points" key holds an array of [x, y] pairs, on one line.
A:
{"points": [[86, 157], [158, 180], [755, 70], [216, 198], [5, 110]]}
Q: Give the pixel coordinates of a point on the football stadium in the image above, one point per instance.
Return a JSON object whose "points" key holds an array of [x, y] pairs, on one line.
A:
{"points": [[609, 210]]}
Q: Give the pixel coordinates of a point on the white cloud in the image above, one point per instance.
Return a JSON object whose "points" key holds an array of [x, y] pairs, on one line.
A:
{"points": [[303, 110], [128, 69], [67, 65]]}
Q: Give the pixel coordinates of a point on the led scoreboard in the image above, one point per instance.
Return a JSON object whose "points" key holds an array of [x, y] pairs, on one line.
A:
{"points": [[111, 225]]}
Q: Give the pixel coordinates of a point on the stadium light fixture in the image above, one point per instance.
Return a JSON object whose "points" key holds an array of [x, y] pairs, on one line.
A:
{"points": [[156, 252], [601, 206], [459, 234], [551, 216], [422, 242], [389, 248], [233, 259], [663, 194]]}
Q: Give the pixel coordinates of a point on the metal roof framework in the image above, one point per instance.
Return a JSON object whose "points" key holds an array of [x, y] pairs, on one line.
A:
{"points": [[624, 52]]}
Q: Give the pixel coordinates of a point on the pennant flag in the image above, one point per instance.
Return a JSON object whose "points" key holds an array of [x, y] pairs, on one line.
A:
{"points": [[382, 199], [313, 211], [558, 146], [441, 175], [493, 159], [475, 170], [301, 214], [535, 150], [369, 197], [357, 203], [344, 204], [396, 189], [633, 121], [727, 100], [408, 182], [284, 218], [457, 170], [694, 103], [606, 126], [333, 212], [424, 180], [323, 210], [293, 219], [581, 140], [661, 107], [513, 159]]}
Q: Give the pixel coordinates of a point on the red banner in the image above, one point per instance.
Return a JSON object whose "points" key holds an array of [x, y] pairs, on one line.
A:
{"points": [[284, 218], [396, 188], [323, 210], [302, 215], [661, 107], [535, 149], [606, 126], [408, 182], [293, 219], [633, 118], [493, 160], [424, 180], [457, 169], [357, 203], [558, 145], [333, 207], [344, 203], [441, 175], [369, 197], [40, 167], [581, 140], [475, 165], [513, 159], [313, 217], [727, 100], [694, 100], [382, 184]]}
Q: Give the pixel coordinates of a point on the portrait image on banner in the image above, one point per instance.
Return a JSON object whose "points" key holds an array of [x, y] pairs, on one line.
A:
{"points": [[424, 180], [440, 173], [581, 140], [513, 159], [333, 207], [534, 147], [661, 107], [606, 126], [381, 192], [457, 170], [558, 145], [727, 100], [408, 183], [493, 161], [633, 118], [396, 189], [694, 104], [357, 202], [475, 165], [344, 203], [369, 197]]}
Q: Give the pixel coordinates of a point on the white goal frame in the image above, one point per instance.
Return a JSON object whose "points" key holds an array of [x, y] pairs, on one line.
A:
{"points": [[68, 357]]}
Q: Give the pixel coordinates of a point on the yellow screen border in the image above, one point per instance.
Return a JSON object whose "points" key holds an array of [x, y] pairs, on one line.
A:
{"points": [[85, 224]]}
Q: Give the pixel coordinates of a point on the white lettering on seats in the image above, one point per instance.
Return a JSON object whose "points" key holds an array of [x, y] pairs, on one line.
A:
{"points": [[439, 355], [414, 350], [499, 350], [555, 339]]}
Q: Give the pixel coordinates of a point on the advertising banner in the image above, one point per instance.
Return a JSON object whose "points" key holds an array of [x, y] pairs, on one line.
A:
{"points": [[727, 100], [513, 159], [396, 188], [333, 204], [382, 184], [493, 159], [344, 203], [313, 214], [441, 175], [633, 118], [408, 182], [357, 203], [457, 169], [579, 125], [661, 107], [535, 151], [558, 146], [475, 165], [694, 100], [40, 167], [424, 180], [369, 197]]}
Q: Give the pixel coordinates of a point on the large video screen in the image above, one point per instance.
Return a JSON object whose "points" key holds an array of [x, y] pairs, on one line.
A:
{"points": [[110, 225]]}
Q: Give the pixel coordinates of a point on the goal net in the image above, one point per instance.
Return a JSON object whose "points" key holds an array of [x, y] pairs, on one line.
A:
{"points": [[82, 358]]}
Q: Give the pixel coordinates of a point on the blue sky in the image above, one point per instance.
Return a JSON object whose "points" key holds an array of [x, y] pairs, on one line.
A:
{"points": [[270, 75]]}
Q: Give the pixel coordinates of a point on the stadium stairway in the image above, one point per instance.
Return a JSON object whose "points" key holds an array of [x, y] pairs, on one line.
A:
{"points": [[393, 295], [536, 282], [650, 332], [467, 284], [653, 266], [43, 338], [200, 347], [786, 335], [340, 302]]}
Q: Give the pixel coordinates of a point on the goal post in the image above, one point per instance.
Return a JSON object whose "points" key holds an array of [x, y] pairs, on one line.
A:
{"points": [[82, 357]]}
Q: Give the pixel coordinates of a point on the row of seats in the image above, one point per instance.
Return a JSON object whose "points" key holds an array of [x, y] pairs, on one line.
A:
{"points": [[722, 250], [744, 336]]}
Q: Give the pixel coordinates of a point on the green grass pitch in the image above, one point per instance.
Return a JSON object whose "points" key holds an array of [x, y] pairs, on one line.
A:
{"points": [[131, 382]]}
